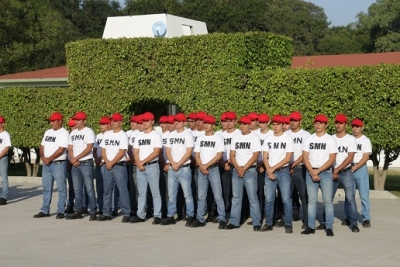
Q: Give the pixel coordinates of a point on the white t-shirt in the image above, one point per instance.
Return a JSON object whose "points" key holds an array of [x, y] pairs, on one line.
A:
{"points": [[146, 143], [345, 145], [52, 141], [132, 137], [298, 140], [277, 147], [5, 140], [113, 143], [209, 146], [262, 137], [80, 140], [164, 137], [196, 134], [178, 143], [99, 140], [319, 149], [244, 147], [219, 132], [363, 146], [227, 142]]}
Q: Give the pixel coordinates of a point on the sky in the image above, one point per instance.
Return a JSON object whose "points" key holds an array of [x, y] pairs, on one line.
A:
{"points": [[339, 12]]}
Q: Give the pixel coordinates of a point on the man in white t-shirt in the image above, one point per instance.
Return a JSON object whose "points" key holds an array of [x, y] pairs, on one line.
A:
{"points": [[244, 151], [286, 123], [208, 152], [277, 153], [113, 153], [146, 151], [254, 121], [80, 151], [53, 155], [360, 170], [5, 145], [179, 149], [319, 154], [223, 123], [298, 186], [191, 122]]}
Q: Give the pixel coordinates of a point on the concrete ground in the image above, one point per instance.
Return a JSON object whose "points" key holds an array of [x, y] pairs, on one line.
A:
{"points": [[25, 241]]}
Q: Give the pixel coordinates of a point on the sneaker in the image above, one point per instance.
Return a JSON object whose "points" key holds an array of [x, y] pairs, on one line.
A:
{"points": [[41, 215], [92, 217], [267, 227], [346, 222], [280, 223], [60, 215], [222, 225], [168, 221], [137, 219], [322, 226], [102, 218], [366, 224], [157, 220], [231, 226], [329, 232], [308, 231], [75, 215], [257, 228], [189, 221], [198, 223], [296, 217], [288, 229], [3, 201], [69, 209], [126, 219], [355, 229]]}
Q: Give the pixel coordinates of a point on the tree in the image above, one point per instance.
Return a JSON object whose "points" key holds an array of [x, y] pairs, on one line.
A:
{"points": [[342, 40]]}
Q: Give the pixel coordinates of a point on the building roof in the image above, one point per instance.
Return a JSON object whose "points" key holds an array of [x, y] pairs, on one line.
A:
{"points": [[57, 72]]}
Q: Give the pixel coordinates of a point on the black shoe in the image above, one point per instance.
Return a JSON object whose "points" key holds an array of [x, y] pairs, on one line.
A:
{"points": [[296, 217], [198, 223], [137, 219], [267, 227], [329, 232], [69, 209], [288, 229], [3, 201], [41, 215], [257, 228], [355, 229], [102, 218], [304, 226], [168, 221], [149, 215], [132, 214], [114, 213], [157, 220], [308, 231], [249, 223], [211, 218], [322, 226], [60, 215], [222, 225], [126, 219], [75, 215], [92, 217], [231, 226], [366, 224], [179, 218], [346, 222], [189, 221], [84, 211], [280, 223]]}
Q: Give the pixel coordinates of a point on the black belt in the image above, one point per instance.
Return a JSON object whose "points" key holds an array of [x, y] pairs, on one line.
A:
{"points": [[323, 170], [151, 162], [298, 166], [86, 160], [212, 166], [345, 170], [121, 163], [252, 166], [185, 165], [282, 168], [57, 161]]}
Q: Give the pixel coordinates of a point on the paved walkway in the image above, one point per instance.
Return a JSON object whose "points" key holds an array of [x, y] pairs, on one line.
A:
{"points": [[25, 241]]}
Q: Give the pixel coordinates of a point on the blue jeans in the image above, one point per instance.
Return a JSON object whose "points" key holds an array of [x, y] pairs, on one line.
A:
{"points": [[326, 185], [150, 176], [361, 179], [283, 181], [346, 179], [56, 171], [83, 175], [4, 176], [299, 184], [98, 171], [71, 193], [183, 177], [249, 181], [117, 175], [215, 181]]}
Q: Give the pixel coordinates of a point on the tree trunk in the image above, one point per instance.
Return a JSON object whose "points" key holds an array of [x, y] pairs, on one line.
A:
{"points": [[35, 170], [27, 160]]}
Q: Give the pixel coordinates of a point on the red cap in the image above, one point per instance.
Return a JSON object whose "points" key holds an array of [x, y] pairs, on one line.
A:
{"points": [[201, 115], [245, 120], [56, 116], [139, 119], [80, 116], [192, 116], [105, 120], [263, 117], [286, 119], [295, 115], [321, 118], [171, 119], [278, 118], [223, 116], [230, 115], [116, 117], [180, 117], [71, 122], [133, 119], [147, 116], [163, 119], [209, 119], [253, 116], [341, 118], [357, 122], [2, 120]]}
